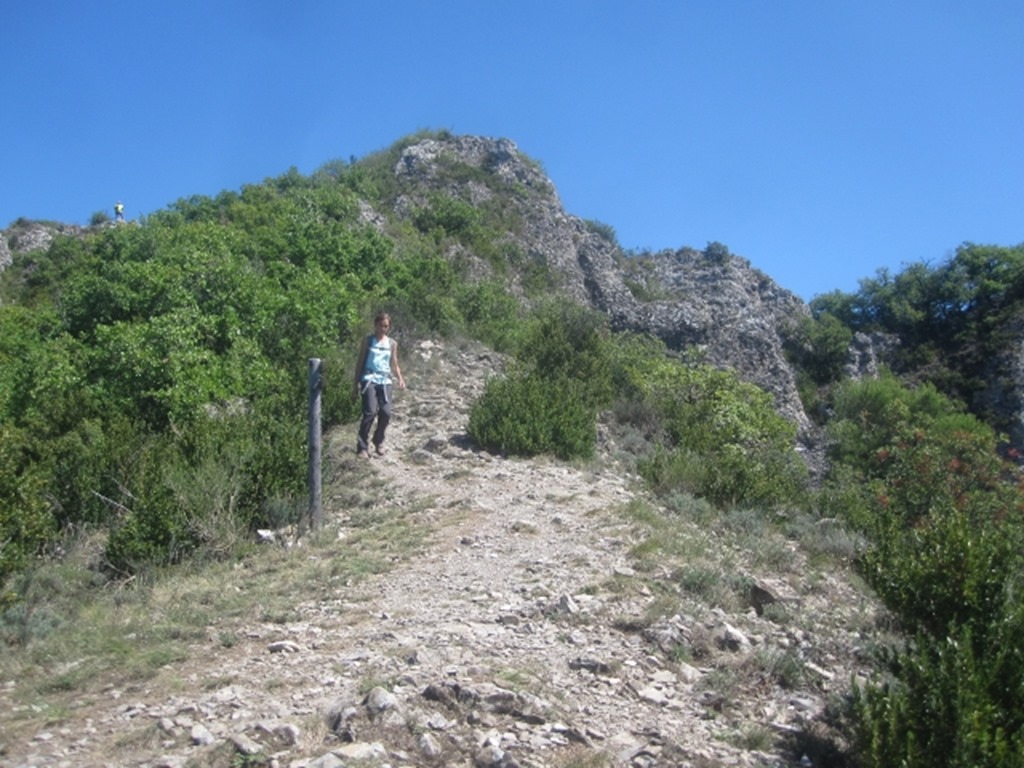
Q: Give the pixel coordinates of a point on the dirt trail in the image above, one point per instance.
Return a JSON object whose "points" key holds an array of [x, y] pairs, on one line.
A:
{"points": [[506, 641]]}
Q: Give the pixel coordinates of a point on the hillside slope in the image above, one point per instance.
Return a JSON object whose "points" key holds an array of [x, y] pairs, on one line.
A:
{"points": [[710, 301], [509, 612]]}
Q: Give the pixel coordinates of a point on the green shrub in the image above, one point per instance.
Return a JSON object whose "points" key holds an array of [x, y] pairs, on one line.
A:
{"points": [[941, 547], [949, 703], [566, 342], [25, 520], [549, 404], [725, 440], [602, 230], [147, 528], [490, 314], [670, 471], [820, 347], [869, 412], [446, 216], [528, 414]]}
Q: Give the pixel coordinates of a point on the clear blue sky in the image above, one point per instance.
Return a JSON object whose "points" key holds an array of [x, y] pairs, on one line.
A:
{"points": [[820, 140]]}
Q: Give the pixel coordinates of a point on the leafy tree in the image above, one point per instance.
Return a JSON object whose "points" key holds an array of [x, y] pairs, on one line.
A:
{"points": [[869, 412], [717, 252], [951, 319], [820, 347]]}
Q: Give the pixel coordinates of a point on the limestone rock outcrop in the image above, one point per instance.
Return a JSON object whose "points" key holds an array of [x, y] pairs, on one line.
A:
{"points": [[708, 300]]}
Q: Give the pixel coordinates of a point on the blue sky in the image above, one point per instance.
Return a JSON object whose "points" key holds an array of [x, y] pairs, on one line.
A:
{"points": [[820, 140]]}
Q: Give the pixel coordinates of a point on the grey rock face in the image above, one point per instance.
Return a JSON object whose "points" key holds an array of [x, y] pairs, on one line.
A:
{"points": [[708, 300], [25, 236]]}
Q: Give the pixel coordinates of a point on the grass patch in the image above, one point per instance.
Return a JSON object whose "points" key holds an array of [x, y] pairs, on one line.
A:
{"points": [[67, 638], [753, 737]]}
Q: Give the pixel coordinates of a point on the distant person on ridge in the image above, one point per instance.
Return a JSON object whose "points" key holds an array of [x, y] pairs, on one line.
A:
{"points": [[378, 362], [119, 211]]}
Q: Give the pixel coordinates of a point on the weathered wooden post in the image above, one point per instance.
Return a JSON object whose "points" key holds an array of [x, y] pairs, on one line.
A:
{"points": [[316, 385]]}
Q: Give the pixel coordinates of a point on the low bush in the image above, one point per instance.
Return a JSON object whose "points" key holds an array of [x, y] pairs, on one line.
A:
{"points": [[528, 415], [549, 403], [25, 520], [723, 439]]}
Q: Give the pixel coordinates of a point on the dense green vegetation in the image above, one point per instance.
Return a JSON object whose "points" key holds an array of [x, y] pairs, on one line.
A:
{"points": [[705, 431], [152, 390], [926, 482], [154, 372], [951, 319], [942, 514], [152, 377]]}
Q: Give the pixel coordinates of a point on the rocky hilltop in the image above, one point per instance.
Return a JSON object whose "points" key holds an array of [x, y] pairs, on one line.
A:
{"points": [[710, 300], [26, 236]]}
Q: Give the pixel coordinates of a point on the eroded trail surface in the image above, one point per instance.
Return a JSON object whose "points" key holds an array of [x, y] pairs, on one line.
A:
{"points": [[518, 633]]}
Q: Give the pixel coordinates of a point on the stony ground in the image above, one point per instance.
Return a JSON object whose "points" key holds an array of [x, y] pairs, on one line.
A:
{"points": [[521, 634]]}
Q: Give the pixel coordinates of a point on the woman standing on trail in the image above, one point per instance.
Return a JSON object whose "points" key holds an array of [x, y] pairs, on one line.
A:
{"points": [[378, 362]]}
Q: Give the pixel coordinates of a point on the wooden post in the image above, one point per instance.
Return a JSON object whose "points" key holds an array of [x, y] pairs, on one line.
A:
{"points": [[316, 385]]}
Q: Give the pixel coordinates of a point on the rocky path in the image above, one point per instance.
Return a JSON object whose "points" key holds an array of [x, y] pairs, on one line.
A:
{"points": [[515, 637]]}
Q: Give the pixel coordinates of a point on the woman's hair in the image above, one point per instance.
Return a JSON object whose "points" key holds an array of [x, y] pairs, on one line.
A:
{"points": [[381, 316]]}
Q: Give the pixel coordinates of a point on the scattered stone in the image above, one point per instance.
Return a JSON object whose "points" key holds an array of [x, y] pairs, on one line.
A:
{"points": [[667, 636], [429, 746], [567, 605], [201, 736], [363, 751], [330, 760], [687, 673], [489, 756], [729, 638], [436, 444], [653, 695], [820, 671], [380, 700], [265, 536], [596, 666], [245, 745]]}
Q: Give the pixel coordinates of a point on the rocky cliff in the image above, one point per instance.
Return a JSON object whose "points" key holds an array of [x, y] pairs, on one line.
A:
{"points": [[26, 236], [709, 300]]}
